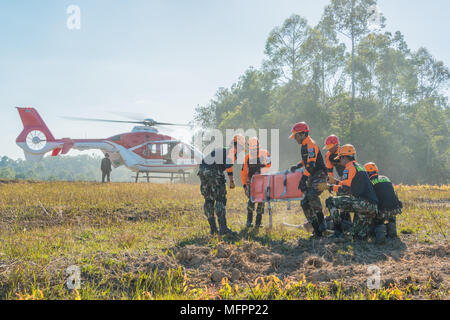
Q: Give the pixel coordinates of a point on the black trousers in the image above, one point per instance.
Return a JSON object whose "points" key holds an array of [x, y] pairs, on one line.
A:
{"points": [[106, 174]]}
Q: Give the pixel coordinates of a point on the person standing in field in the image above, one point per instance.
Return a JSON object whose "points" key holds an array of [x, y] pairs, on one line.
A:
{"points": [[313, 175], [256, 161], [106, 168], [213, 183]]}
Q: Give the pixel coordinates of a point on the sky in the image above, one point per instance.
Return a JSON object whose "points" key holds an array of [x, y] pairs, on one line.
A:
{"points": [[159, 58]]}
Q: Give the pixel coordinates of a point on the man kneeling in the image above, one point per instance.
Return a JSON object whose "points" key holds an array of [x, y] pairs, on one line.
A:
{"points": [[389, 206], [361, 198]]}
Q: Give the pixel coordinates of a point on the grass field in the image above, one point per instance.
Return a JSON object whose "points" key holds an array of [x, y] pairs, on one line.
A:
{"points": [[151, 241]]}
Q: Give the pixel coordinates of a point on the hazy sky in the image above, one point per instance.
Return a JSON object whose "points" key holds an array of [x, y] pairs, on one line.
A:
{"points": [[159, 58]]}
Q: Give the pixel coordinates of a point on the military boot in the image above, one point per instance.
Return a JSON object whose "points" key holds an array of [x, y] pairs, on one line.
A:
{"points": [[212, 225], [249, 219], [346, 225], [380, 233], [223, 229], [317, 231], [391, 229], [338, 231], [258, 220]]}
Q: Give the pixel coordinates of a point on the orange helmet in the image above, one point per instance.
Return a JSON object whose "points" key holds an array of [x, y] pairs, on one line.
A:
{"points": [[253, 143], [346, 150], [371, 168], [299, 127], [330, 142], [239, 139]]}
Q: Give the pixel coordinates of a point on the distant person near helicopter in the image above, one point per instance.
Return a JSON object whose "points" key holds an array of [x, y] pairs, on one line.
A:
{"points": [[106, 168]]}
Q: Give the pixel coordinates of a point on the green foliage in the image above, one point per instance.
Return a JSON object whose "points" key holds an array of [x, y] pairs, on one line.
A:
{"points": [[386, 100]]}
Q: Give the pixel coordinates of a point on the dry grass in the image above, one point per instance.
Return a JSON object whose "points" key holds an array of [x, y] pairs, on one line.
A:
{"points": [[151, 241]]}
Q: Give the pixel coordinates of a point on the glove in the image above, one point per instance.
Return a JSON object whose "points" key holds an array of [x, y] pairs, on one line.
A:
{"points": [[232, 185], [302, 185], [294, 168], [330, 188], [331, 180]]}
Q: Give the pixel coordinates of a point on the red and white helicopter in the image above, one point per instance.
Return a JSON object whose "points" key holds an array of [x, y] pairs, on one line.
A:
{"points": [[141, 150]]}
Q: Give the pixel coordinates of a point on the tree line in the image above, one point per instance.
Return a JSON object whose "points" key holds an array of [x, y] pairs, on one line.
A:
{"points": [[349, 77], [65, 168]]}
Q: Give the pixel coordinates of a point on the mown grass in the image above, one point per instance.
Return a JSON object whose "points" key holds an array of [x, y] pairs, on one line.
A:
{"points": [[112, 232]]}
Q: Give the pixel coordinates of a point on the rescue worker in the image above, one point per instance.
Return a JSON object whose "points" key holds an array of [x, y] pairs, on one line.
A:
{"points": [[361, 198], [314, 174], [332, 146], [256, 161], [389, 206], [106, 168], [213, 182]]}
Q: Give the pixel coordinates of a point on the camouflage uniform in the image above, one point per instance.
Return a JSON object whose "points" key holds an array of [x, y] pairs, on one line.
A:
{"points": [[365, 213], [389, 206], [213, 189], [388, 215], [251, 208], [213, 186], [360, 198], [311, 205]]}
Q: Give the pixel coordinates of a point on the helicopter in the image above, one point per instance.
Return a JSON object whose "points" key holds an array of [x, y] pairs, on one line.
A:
{"points": [[143, 150]]}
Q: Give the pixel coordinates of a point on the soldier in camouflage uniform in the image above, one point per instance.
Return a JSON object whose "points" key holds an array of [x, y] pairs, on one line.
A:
{"points": [[389, 206], [332, 145], [314, 174], [361, 200], [213, 183], [257, 161]]}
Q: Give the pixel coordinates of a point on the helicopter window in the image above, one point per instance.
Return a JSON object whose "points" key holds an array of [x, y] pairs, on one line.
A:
{"points": [[164, 149], [152, 149]]}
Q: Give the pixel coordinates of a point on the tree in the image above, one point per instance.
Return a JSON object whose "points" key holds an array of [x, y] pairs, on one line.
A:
{"points": [[352, 19], [284, 49], [396, 113], [325, 57]]}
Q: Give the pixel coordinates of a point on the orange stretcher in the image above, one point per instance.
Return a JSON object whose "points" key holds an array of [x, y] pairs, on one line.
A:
{"points": [[276, 187]]}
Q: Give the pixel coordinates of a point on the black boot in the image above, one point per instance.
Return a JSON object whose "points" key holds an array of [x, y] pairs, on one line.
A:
{"points": [[322, 223], [320, 218], [317, 233], [249, 219], [380, 233], [391, 229], [212, 225], [338, 231], [223, 229], [346, 225], [258, 220]]}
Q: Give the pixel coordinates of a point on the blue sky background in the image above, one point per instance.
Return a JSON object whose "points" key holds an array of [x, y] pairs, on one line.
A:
{"points": [[158, 58]]}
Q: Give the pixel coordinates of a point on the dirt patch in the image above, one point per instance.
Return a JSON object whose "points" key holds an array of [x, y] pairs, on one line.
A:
{"points": [[320, 262]]}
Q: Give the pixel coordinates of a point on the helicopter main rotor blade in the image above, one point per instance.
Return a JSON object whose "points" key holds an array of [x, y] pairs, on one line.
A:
{"points": [[129, 115], [171, 124], [102, 120]]}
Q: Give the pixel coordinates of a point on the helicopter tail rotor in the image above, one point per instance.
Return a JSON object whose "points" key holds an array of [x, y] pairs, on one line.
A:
{"points": [[35, 138]]}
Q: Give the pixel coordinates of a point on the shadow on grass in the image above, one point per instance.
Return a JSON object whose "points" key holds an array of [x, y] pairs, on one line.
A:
{"points": [[344, 252]]}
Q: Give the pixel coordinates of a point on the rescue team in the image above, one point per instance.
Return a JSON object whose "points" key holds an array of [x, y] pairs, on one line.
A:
{"points": [[359, 189]]}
